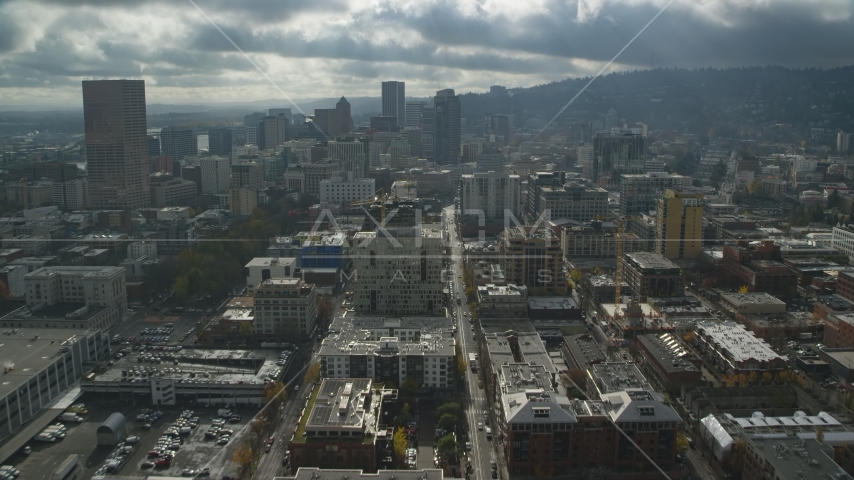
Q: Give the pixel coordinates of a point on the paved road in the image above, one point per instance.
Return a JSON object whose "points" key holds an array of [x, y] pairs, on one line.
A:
{"points": [[270, 465], [481, 454]]}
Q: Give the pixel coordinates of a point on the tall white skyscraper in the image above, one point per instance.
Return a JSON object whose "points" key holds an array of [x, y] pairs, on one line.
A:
{"points": [[394, 101]]}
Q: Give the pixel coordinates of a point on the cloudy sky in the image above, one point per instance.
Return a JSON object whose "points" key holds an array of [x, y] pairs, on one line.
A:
{"points": [[327, 48]]}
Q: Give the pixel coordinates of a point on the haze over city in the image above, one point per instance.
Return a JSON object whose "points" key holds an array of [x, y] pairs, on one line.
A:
{"points": [[331, 47], [427, 240]]}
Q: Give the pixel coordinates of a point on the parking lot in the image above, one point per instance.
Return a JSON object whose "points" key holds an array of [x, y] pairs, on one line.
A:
{"points": [[174, 327], [195, 452]]}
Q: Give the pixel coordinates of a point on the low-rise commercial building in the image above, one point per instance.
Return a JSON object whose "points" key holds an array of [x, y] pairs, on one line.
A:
{"points": [[32, 383], [751, 303], [508, 301], [340, 426], [736, 350], [673, 365], [651, 274]]}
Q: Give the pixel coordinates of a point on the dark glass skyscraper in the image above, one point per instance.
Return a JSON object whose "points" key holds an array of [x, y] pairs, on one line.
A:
{"points": [[447, 130], [394, 101], [219, 141], [116, 143]]}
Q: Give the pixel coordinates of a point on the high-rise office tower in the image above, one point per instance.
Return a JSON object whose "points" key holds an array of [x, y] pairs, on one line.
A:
{"points": [[271, 132], [579, 132], [619, 150], [680, 225], [394, 101], [611, 120], [343, 107], [116, 143], [153, 146], [428, 132], [219, 141], [178, 142], [275, 112], [252, 119], [328, 121], [413, 113], [447, 123]]}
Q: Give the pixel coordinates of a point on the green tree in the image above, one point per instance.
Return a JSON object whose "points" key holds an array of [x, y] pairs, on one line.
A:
{"points": [[461, 361], [404, 415], [245, 330], [182, 287], [447, 421], [409, 387], [755, 187], [575, 275], [834, 200], [450, 408], [447, 449]]}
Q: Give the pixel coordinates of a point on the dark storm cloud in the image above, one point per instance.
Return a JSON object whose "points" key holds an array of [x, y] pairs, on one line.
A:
{"points": [[430, 42], [785, 34], [256, 11]]}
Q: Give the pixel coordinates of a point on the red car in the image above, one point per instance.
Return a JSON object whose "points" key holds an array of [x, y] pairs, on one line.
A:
{"points": [[163, 462], [154, 453]]}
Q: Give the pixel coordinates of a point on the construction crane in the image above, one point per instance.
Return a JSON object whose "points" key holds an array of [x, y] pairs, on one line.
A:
{"points": [[23, 183], [381, 199], [618, 276]]}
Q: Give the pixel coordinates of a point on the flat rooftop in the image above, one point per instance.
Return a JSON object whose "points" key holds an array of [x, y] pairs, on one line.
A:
{"points": [[378, 322], [57, 311], [753, 298], [528, 347], [552, 303], [271, 261], [797, 458], [329, 474], [200, 366], [651, 261], [616, 376], [30, 350], [741, 344], [669, 352], [519, 377], [584, 350], [341, 404]]}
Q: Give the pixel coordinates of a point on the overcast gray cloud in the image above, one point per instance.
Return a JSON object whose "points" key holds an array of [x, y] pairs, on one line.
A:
{"points": [[327, 48]]}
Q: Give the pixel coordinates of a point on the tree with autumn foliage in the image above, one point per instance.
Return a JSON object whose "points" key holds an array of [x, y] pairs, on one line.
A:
{"points": [[243, 456]]}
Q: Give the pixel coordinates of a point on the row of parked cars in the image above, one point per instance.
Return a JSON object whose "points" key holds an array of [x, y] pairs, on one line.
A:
{"points": [[171, 440], [149, 417], [117, 457], [218, 431], [283, 357]]}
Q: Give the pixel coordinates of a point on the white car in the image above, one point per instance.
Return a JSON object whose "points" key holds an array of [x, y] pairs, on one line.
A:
{"points": [[480, 426]]}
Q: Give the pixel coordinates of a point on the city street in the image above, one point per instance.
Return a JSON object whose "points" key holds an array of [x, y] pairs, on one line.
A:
{"points": [[481, 453]]}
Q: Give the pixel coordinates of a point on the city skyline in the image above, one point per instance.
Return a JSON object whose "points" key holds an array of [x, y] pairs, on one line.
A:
{"points": [[472, 47]]}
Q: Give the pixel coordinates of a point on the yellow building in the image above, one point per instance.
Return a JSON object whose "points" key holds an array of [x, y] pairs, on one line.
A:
{"points": [[680, 225]]}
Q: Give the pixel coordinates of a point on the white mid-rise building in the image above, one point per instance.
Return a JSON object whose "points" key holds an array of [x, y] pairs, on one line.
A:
{"points": [[142, 249], [401, 275], [285, 309], [215, 174], [343, 188], [843, 240], [95, 286], [492, 193], [71, 194], [263, 268], [417, 349]]}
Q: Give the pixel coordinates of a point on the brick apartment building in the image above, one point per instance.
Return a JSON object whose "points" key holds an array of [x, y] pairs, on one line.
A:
{"points": [[759, 266], [651, 274]]}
